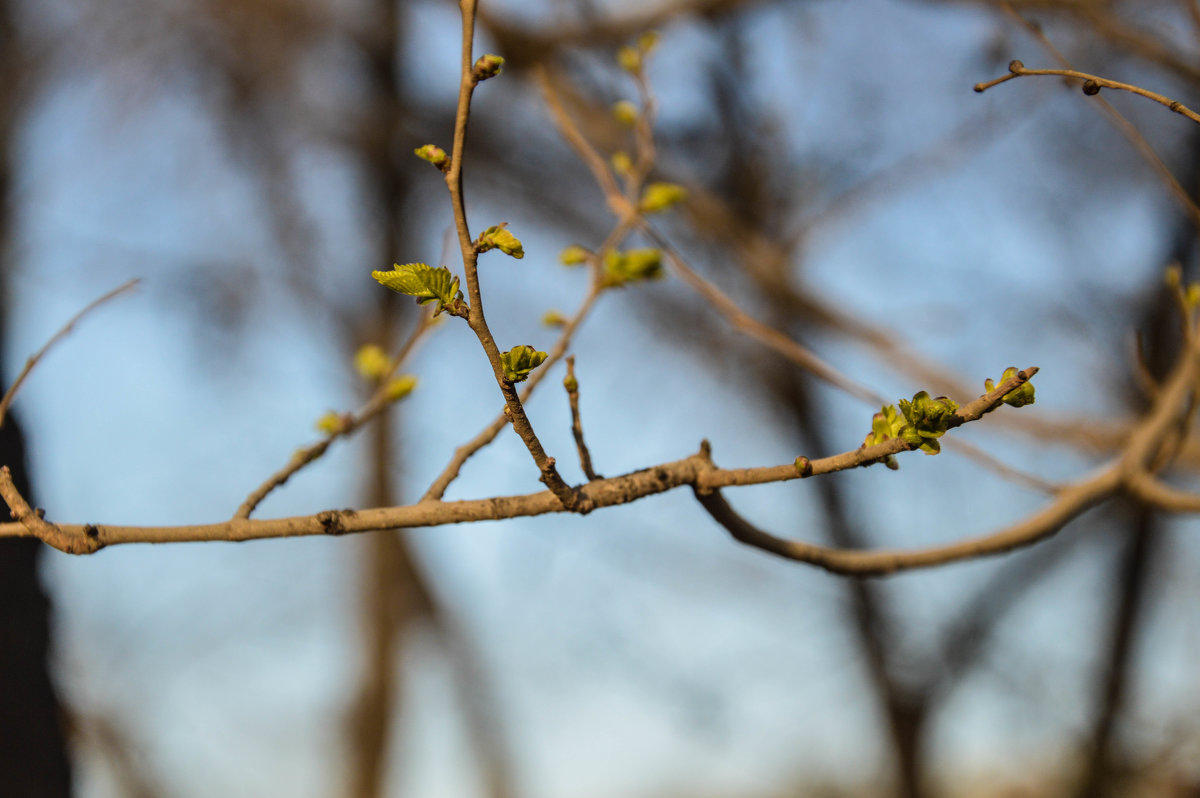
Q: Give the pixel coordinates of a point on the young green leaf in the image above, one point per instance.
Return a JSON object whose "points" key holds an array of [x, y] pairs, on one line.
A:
{"points": [[519, 361], [552, 318], [424, 282], [498, 237]]}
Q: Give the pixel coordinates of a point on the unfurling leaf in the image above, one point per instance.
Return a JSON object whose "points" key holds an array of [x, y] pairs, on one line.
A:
{"points": [[927, 420], [400, 387], [573, 255], [625, 112], [519, 361], [372, 362], [632, 265], [498, 237], [660, 196], [885, 425], [487, 66], [424, 282], [434, 154], [1018, 397]]}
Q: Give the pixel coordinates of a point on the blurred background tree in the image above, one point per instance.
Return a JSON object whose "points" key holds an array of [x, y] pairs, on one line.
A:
{"points": [[252, 161]]}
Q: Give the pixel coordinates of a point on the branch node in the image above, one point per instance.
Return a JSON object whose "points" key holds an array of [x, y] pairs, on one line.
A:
{"points": [[333, 521]]}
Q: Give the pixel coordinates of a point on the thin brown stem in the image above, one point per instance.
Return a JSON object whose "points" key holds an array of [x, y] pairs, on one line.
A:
{"points": [[1091, 86], [1126, 128], [515, 411], [763, 333], [572, 386], [63, 331], [378, 403]]}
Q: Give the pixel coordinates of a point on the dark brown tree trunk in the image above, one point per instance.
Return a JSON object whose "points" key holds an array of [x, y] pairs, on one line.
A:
{"points": [[33, 757]]}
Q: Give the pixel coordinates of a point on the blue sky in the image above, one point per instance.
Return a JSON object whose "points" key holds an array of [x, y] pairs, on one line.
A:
{"points": [[636, 651]]}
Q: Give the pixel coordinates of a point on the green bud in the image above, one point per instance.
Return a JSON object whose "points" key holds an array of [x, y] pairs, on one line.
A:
{"points": [[629, 59], [372, 362], [552, 318], [331, 423], [571, 384], [486, 66], [434, 154], [400, 387], [660, 196], [573, 255], [622, 164], [1173, 276], [1017, 397], [927, 420], [625, 112]]}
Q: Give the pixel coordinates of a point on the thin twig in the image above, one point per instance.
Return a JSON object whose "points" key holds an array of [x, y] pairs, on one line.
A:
{"points": [[475, 316], [768, 336], [864, 455], [1091, 86], [621, 206], [617, 202], [572, 386], [63, 331], [1126, 128], [349, 424]]}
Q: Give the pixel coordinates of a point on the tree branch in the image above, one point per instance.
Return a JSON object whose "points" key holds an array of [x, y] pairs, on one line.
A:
{"points": [[1091, 86], [696, 470]]}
